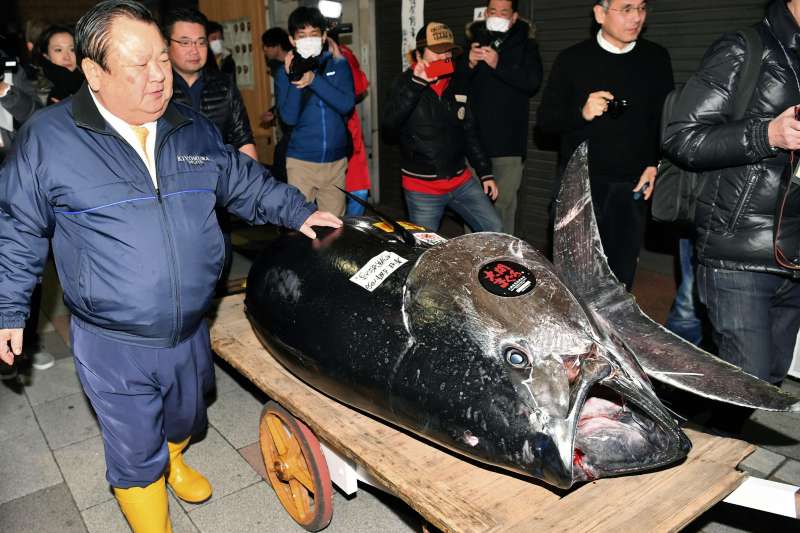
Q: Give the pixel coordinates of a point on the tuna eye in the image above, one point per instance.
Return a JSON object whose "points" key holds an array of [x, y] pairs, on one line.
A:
{"points": [[516, 358]]}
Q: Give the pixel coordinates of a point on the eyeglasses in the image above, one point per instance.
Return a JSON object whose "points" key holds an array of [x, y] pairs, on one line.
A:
{"points": [[629, 10], [186, 43]]}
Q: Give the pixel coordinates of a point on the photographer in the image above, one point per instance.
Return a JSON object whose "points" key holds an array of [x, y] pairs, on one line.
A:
{"points": [[315, 97], [428, 111], [505, 71], [609, 91]]}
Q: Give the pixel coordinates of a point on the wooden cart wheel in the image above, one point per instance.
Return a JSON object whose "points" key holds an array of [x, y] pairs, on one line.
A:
{"points": [[296, 468]]}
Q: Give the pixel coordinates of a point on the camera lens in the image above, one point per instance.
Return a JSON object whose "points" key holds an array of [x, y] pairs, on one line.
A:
{"points": [[616, 107]]}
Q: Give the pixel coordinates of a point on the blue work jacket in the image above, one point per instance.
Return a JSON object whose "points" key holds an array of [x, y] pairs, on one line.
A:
{"points": [[138, 263]]}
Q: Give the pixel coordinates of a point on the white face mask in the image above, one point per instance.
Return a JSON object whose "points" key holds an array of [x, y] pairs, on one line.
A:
{"points": [[498, 24], [309, 46], [216, 46]]}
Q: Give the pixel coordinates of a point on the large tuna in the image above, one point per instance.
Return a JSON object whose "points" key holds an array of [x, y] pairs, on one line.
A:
{"points": [[482, 345]]}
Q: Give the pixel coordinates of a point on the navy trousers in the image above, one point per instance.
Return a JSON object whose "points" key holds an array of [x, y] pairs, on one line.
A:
{"points": [[143, 398]]}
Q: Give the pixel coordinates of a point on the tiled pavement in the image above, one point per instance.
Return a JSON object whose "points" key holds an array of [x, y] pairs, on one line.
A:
{"points": [[52, 469]]}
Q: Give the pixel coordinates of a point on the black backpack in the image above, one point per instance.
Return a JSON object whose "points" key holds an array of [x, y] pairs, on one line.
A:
{"points": [[677, 189]]}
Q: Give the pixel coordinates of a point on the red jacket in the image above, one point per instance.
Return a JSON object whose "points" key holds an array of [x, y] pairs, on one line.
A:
{"points": [[357, 177]]}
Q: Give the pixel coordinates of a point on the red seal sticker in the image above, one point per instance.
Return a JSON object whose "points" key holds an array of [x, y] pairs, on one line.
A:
{"points": [[506, 279]]}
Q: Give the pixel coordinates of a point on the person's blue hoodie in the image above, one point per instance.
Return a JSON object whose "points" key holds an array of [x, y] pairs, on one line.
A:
{"points": [[318, 113]]}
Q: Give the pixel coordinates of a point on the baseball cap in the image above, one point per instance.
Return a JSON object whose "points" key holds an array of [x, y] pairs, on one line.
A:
{"points": [[438, 37]]}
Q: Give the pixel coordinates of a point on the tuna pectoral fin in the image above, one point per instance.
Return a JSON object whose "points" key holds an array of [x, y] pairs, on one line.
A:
{"points": [[669, 359], [579, 258]]}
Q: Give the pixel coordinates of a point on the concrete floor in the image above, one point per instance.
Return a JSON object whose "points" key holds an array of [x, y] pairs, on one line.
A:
{"points": [[52, 468]]}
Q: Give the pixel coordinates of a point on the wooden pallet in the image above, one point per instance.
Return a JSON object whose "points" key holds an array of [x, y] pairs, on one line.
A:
{"points": [[457, 495]]}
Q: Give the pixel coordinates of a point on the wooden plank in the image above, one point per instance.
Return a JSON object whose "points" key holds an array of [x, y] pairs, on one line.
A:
{"points": [[457, 495]]}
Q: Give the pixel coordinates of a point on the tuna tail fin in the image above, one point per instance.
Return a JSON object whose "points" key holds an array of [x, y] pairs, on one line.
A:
{"points": [[402, 233], [579, 258]]}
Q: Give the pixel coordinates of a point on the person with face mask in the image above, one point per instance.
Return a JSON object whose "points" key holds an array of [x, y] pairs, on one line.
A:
{"points": [[216, 43], [504, 71], [315, 96], [428, 112]]}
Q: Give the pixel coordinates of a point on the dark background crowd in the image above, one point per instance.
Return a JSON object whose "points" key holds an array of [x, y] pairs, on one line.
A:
{"points": [[457, 126]]}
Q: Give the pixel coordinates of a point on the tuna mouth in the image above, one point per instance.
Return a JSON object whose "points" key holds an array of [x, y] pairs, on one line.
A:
{"points": [[615, 436]]}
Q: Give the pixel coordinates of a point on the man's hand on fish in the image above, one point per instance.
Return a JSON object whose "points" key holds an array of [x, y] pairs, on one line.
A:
{"points": [[319, 218]]}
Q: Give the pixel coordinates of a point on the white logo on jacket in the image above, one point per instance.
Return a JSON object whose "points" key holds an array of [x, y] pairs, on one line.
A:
{"points": [[194, 159]]}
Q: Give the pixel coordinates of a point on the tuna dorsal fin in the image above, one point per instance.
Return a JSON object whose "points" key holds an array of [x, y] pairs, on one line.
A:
{"points": [[579, 258], [402, 233]]}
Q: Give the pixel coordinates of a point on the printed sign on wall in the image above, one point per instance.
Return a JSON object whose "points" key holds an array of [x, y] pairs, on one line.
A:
{"points": [[413, 17], [239, 39]]}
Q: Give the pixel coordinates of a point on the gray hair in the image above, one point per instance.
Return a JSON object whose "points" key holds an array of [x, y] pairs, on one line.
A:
{"points": [[93, 31]]}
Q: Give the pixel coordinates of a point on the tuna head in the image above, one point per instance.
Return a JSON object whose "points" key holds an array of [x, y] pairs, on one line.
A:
{"points": [[509, 367]]}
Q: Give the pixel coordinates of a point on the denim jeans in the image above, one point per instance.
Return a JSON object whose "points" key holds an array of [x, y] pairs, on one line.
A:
{"points": [[755, 317], [683, 319], [468, 200], [355, 209]]}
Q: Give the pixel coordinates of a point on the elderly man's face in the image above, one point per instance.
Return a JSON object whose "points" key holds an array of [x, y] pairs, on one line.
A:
{"points": [[622, 21], [138, 84]]}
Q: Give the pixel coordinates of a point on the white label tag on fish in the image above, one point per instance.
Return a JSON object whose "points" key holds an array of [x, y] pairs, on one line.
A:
{"points": [[431, 239], [377, 270]]}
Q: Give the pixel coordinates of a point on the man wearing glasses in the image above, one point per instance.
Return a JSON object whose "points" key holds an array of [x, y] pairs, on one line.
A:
{"points": [[609, 90], [207, 90], [204, 88]]}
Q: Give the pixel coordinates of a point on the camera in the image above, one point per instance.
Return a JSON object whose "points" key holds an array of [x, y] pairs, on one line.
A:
{"points": [[617, 106], [337, 29], [8, 63], [300, 65], [485, 37]]}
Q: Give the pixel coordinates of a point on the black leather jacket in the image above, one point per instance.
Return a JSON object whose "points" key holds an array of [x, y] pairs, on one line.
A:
{"points": [[222, 103], [736, 213], [435, 133]]}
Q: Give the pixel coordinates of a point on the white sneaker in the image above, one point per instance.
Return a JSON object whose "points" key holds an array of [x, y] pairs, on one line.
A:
{"points": [[43, 360]]}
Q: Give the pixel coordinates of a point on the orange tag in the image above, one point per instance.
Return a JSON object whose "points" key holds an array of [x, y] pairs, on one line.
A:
{"points": [[410, 227], [388, 228]]}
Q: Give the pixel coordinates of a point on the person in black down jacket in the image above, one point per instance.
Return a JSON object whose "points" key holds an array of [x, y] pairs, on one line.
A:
{"points": [[208, 91], [430, 116], [504, 70], [753, 301]]}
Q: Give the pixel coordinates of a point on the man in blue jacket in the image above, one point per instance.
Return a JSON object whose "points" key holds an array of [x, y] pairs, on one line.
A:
{"points": [[125, 184], [315, 96]]}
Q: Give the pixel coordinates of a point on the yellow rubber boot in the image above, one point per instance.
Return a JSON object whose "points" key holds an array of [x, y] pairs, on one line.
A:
{"points": [[187, 483], [146, 509]]}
